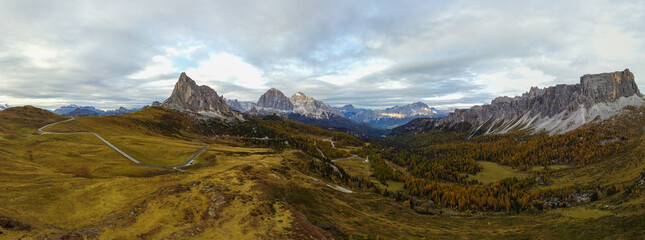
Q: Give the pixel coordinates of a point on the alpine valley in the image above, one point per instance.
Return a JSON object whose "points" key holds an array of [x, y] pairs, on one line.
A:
{"points": [[357, 122], [561, 162]]}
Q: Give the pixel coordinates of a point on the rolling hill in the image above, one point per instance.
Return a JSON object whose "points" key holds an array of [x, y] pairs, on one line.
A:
{"points": [[270, 178]]}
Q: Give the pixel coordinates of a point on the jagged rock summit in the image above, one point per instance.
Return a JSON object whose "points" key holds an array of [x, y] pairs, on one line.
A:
{"points": [[312, 108], [187, 96], [555, 109], [275, 99], [608, 87]]}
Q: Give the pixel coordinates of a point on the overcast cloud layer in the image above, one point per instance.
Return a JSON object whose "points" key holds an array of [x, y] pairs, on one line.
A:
{"points": [[371, 54]]}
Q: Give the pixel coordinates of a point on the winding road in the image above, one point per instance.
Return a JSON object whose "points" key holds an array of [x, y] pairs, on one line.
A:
{"points": [[190, 161]]}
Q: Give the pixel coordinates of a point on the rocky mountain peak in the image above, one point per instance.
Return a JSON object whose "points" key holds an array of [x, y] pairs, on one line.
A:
{"points": [[312, 108], [274, 98], [187, 96], [419, 105], [555, 109], [300, 97], [609, 86], [535, 92], [417, 108]]}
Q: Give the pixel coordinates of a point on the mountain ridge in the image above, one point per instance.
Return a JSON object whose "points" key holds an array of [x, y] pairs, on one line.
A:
{"points": [[187, 96], [275, 99], [312, 108], [75, 111], [390, 117], [556, 109]]}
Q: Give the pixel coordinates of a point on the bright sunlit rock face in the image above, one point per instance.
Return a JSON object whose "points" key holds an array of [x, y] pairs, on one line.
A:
{"points": [[393, 115]]}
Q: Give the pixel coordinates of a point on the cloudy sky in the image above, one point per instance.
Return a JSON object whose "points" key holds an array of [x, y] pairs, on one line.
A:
{"points": [[368, 53]]}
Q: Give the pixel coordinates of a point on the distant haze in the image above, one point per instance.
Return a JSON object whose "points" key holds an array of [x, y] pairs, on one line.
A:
{"points": [[372, 54]]}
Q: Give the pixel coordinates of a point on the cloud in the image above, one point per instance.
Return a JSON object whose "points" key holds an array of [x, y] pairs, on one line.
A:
{"points": [[225, 67], [370, 54]]}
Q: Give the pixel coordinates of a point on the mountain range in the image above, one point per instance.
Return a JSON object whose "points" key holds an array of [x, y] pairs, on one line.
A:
{"points": [[556, 109], [391, 117], [474, 173], [274, 101], [187, 96], [75, 111], [4, 106]]}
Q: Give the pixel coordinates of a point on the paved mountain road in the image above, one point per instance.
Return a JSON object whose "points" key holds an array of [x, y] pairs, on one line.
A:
{"points": [[190, 161]]}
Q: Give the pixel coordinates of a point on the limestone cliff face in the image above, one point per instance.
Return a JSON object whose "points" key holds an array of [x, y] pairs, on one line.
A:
{"points": [[608, 86], [554, 109], [187, 96], [312, 108], [275, 99]]}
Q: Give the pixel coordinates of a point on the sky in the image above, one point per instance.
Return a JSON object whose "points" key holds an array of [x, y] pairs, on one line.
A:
{"points": [[372, 54]]}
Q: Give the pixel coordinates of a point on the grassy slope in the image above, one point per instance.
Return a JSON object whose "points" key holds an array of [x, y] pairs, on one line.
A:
{"points": [[492, 172], [144, 135], [235, 193], [619, 169], [356, 166], [73, 184], [17, 121]]}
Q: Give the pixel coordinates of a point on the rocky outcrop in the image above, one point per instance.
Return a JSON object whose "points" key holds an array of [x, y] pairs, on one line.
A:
{"points": [[556, 109], [608, 86], [312, 108], [235, 105], [240, 106], [187, 96], [275, 99]]}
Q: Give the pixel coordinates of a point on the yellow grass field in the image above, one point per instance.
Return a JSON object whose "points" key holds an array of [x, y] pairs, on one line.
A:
{"points": [[492, 172], [75, 187]]}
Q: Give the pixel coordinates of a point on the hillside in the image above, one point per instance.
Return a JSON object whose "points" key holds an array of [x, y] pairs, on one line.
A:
{"points": [[265, 177], [187, 96], [343, 125], [21, 119]]}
